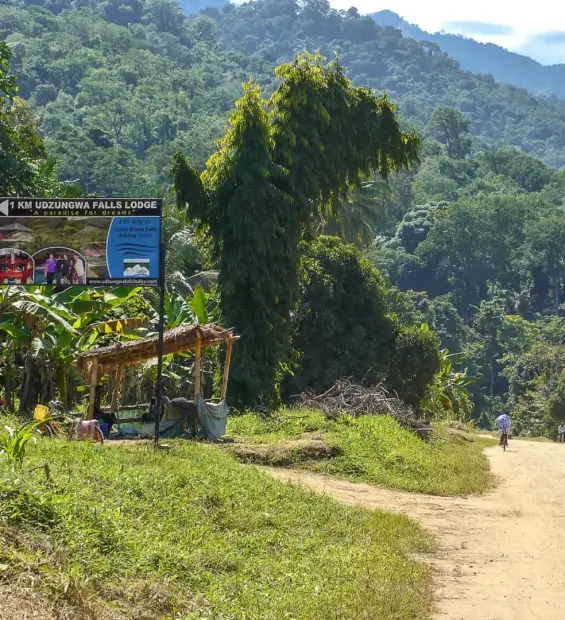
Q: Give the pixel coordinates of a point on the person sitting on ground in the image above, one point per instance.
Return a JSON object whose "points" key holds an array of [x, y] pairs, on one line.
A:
{"points": [[103, 417], [503, 425], [561, 431]]}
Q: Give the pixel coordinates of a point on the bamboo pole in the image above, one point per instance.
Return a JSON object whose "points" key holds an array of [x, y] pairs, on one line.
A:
{"points": [[197, 377], [116, 393], [93, 383], [226, 370]]}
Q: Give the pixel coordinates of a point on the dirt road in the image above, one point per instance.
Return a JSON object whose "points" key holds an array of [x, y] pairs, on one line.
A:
{"points": [[503, 555]]}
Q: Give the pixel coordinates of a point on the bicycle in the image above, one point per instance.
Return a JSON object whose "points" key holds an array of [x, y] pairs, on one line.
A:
{"points": [[504, 440]]}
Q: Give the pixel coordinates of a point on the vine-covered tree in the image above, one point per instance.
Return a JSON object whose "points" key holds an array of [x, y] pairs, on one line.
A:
{"points": [[282, 164], [20, 146]]}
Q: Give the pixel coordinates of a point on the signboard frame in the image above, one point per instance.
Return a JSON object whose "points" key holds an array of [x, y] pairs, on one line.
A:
{"points": [[101, 241], [123, 210]]}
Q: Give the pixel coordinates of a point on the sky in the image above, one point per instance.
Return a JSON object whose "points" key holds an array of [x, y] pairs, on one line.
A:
{"points": [[534, 29]]}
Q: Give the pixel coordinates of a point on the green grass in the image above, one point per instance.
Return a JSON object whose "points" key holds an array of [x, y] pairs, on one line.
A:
{"points": [[122, 532], [376, 450]]}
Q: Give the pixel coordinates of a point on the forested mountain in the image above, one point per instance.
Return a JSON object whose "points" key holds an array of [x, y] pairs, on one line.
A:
{"points": [[469, 241], [121, 85], [486, 58]]}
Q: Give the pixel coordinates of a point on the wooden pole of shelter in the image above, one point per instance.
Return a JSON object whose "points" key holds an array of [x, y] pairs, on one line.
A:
{"points": [[93, 383], [116, 392], [226, 370], [197, 373]]}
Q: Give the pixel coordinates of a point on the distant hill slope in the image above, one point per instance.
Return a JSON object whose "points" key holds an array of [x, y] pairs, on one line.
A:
{"points": [[505, 66], [120, 85], [417, 75]]}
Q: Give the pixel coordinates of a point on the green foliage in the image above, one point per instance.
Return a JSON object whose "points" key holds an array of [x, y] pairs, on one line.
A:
{"points": [[356, 221], [198, 305], [531, 174], [42, 333], [536, 387], [341, 326], [415, 361], [556, 401], [21, 148], [447, 397], [204, 536], [281, 166], [473, 242], [122, 86], [451, 128], [14, 443]]}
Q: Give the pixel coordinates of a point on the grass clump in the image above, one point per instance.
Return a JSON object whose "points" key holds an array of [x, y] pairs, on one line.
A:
{"points": [[376, 450], [124, 532]]}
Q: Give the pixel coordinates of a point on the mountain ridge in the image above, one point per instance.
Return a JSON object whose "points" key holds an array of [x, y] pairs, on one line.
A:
{"points": [[485, 58]]}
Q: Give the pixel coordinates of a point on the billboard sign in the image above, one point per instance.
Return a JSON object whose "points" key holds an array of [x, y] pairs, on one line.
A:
{"points": [[80, 241]]}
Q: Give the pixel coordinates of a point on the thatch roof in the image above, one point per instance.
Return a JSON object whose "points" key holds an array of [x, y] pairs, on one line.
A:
{"points": [[174, 341]]}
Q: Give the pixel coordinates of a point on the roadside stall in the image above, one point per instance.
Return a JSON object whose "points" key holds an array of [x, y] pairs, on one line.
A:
{"points": [[197, 417]]}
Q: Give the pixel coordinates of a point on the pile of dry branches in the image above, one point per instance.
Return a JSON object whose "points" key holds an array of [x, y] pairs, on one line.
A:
{"points": [[355, 400]]}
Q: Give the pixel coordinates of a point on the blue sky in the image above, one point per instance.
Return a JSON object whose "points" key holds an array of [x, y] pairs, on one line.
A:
{"points": [[534, 29]]}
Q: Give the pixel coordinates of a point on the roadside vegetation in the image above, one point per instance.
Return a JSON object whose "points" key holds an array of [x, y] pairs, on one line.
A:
{"points": [[372, 449], [124, 532]]}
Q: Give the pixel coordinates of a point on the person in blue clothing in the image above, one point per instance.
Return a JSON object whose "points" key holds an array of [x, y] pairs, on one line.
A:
{"points": [[503, 425]]}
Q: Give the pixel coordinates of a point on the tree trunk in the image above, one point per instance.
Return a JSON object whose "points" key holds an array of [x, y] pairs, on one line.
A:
{"points": [[8, 392], [28, 399], [62, 384], [491, 377]]}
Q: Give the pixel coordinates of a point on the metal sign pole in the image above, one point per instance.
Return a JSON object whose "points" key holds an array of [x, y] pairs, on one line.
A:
{"points": [[159, 392]]}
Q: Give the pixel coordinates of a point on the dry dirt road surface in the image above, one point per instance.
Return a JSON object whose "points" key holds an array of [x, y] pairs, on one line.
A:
{"points": [[502, 554]]}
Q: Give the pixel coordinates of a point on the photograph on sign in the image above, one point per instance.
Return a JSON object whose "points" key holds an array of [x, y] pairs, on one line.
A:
{"points": [[60, 266], [73, 243], [16, 267]]}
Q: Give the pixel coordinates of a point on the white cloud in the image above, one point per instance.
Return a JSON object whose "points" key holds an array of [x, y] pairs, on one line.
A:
{"points": [[433, 14], [524, 19]]}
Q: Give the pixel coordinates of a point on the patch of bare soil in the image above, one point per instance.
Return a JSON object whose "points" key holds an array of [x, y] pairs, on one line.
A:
{"points": [[292, 452]]}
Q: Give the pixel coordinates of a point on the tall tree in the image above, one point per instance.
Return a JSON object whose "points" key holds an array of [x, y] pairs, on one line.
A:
{"points": [[451, 127], [20, 146], [282, 164]]}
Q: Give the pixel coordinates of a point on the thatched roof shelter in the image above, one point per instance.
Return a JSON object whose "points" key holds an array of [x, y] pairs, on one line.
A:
{"points": [[176, 340]]}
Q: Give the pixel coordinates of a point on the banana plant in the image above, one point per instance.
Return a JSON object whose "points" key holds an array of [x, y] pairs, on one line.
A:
{"points": [[51, 329], [450, 385], [13, 442]]}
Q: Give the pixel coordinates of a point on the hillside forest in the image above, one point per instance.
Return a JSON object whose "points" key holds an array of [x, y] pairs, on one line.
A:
{"points": [[486, 58], [371, 210]]}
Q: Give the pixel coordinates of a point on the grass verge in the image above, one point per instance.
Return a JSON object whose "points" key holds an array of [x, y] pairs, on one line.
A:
{"points": [[372, 449], [123, 532]]}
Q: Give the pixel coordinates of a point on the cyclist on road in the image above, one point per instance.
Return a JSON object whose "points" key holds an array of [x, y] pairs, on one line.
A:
{"points": [[503, 425]]}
